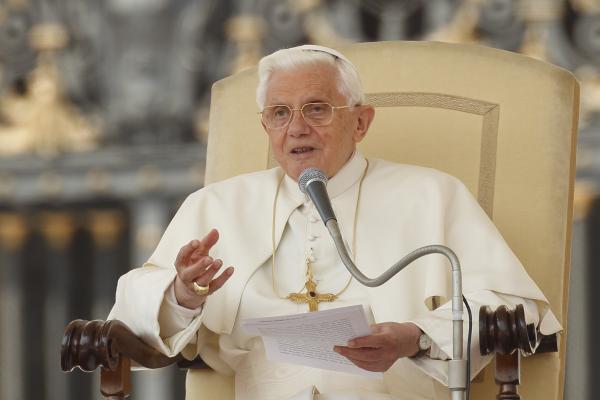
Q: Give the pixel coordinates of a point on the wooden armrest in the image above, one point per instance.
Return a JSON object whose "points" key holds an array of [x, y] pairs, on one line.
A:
{"points": [[110, 345], [506, 334], [505, 331], [90, 344]]}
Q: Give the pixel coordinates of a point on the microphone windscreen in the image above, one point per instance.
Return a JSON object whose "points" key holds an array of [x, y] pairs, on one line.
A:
{"points": [[309, 175]]}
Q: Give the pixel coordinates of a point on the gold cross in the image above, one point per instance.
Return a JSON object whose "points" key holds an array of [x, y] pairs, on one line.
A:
{"points": [[311, 296]]}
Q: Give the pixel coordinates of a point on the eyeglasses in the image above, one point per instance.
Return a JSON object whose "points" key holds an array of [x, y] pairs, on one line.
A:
{"points": [[314, 114]]}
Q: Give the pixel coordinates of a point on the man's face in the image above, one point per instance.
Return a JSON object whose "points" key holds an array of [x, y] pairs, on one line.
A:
{"points": [[298, 145]]}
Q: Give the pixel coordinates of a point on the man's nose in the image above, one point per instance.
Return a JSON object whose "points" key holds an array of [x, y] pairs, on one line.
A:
{"points": [[298, 125]]}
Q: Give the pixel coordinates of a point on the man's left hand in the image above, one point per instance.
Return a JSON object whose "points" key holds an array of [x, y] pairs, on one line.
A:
{"points": [[387, 342]]}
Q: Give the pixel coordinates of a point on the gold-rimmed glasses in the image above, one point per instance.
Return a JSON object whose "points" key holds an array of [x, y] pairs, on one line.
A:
{"points": [[314, 114]]}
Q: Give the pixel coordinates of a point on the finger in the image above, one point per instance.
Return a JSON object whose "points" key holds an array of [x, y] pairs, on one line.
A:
{"points": [[190, 273], [377, 328], [185, 251], [195, 256], [208, 242], [368, 341], [378, 365], [216, 283], [369, 366], [208, 274], [363, 354]]}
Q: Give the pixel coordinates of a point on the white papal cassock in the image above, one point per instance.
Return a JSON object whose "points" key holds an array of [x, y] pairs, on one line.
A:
{"points": [[401, 208]]}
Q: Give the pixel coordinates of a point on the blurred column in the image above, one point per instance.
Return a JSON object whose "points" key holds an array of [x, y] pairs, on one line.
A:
{"points": [[57, 228], [396, 18], [81, 256], [106, 227], [34, 264], [336, 21], [589, 321], [12, 235], [577, 379], [149, 218]]}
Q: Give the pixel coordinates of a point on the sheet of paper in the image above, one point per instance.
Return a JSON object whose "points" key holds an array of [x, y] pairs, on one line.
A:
{"points": [[308, 338]]}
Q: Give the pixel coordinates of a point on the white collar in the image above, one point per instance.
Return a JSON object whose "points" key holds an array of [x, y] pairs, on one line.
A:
{"points": [[345, 178]]}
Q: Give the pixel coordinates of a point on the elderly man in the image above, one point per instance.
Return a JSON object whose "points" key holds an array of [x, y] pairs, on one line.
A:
{"points": [[312, 109]]}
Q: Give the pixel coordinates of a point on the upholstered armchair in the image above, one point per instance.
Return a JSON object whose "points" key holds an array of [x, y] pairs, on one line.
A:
{"points": [[503, 123]]}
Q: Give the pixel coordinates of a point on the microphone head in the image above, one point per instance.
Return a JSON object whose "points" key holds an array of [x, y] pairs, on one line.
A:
{"points": [[309, 175]]}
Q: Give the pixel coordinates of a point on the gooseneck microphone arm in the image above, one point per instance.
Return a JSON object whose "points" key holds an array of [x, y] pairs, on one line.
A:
{"points": [[312, 182], [457, 376]]}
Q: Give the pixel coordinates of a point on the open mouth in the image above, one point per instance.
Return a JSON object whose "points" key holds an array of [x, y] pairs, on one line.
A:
{"points": [[302, 150]]}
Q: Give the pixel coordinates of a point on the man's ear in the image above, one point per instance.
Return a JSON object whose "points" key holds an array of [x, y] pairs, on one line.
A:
{"points": [[365, 117]]}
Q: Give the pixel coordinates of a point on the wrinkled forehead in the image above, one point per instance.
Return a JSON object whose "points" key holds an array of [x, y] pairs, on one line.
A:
{"points": [[304, 83]]}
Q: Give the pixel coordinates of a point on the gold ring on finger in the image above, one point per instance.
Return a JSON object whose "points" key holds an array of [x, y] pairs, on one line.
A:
{"points": [[200, 290]]}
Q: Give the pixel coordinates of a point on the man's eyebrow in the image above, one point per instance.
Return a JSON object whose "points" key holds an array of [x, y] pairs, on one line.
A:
{"points": [[316, 99], [313, 99]]}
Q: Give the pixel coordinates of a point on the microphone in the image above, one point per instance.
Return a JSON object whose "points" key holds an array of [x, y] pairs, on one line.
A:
{"points": [[313, 181]]}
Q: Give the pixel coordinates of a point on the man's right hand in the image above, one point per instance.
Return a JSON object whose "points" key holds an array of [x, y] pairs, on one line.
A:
{"points": [[193, 264]]}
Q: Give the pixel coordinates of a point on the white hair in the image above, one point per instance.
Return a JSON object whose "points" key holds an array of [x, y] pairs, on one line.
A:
{"points": [[349, 83]]}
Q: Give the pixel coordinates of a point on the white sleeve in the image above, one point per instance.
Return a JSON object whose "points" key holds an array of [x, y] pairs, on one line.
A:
{"points": [[438, 325], [139, 302], [173, 317]]}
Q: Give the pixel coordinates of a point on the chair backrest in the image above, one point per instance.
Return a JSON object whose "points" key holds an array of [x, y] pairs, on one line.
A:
{"points": [[503, 123]]}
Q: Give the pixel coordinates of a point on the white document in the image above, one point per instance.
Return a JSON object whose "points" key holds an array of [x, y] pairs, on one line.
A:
{"points": [[308, 338]]}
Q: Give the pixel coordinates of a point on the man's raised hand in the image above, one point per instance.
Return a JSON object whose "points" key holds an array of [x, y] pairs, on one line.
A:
{"points": [[193, 264]]}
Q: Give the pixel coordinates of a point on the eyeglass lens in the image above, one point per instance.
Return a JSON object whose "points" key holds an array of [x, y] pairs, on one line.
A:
{"points": [[315, 114]]}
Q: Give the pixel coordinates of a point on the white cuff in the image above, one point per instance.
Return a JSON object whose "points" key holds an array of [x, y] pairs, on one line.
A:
{"points": [[184, 312], [173, 317], [436, 353]]}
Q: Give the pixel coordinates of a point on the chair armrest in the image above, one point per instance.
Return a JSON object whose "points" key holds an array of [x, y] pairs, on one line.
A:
{"points": [[92, 344], [505, 334], [505, 331], [111, 345]]}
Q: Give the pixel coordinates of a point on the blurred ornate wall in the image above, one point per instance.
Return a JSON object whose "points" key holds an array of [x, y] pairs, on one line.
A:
{"points": [[103, 120]]}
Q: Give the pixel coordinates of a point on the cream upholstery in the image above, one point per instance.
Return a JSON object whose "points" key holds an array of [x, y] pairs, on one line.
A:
{"points": [[503, 123]]}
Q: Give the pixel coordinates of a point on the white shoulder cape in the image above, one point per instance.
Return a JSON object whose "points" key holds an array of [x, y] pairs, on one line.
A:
{"points": [[402, 208]]}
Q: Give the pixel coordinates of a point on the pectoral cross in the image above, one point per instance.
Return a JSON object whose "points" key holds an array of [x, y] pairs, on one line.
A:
{"points": [[311, 296]]}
